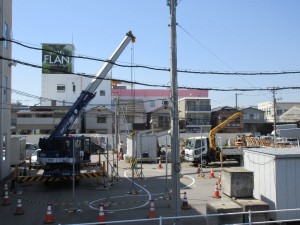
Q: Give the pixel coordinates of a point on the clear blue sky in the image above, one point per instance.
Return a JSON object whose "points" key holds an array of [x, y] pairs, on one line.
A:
{"points": [[212, 35]]}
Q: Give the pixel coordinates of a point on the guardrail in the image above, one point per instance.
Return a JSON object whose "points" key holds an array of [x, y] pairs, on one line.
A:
{"points": [[160, 220]]}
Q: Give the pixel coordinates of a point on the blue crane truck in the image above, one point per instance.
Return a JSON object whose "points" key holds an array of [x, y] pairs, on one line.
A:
{"points": [[62, 154]]}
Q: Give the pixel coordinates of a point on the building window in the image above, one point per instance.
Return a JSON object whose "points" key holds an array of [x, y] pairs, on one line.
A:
{"points": [[6, 34], [74, 87], [279, 112], [152, 103], [101, 119], [24, 115], [102, 93], [130, 119], [43, 116], [61, 88]]}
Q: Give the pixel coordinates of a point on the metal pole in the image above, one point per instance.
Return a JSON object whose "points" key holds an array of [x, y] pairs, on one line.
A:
{"points": [[116, 134], [275, 114], [175, 124], [201, 145], [141, 152], [167, 192], [1, 96]]}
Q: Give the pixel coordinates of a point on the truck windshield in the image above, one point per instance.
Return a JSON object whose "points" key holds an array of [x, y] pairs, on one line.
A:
{"points": [[199, 144], [190, 143]]}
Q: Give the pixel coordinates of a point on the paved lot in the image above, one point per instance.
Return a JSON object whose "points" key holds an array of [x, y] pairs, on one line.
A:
{"points": [[124, 199]]}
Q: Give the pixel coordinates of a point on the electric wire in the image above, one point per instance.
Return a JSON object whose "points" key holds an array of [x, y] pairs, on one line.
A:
{"points": [[188, 71]]}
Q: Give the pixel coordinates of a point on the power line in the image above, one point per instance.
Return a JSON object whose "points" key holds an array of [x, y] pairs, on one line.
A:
{"points": [[164, 69], [161, 85]]}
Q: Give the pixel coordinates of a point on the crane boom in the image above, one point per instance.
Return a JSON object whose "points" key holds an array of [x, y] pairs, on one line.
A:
{"points": [[88, 94], [213, 131]]}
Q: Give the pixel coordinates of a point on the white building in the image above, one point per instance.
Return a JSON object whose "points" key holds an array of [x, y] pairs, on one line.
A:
{"points": [[60, 83], [65, 89], [281, 107]]}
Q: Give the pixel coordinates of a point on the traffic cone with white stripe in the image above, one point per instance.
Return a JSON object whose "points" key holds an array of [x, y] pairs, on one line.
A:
{"points": [[101, 217], [6, 200], [219, 179], [211, 175], [151, 213], [19, 210], [216, 192], [49, 216], [185, 204]]}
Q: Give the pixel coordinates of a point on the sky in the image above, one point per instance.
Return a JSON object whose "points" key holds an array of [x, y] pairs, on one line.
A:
{"points": [[212, 36]]}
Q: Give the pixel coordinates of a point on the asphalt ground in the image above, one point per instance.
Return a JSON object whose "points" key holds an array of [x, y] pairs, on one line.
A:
{"points": [[124, 198]]}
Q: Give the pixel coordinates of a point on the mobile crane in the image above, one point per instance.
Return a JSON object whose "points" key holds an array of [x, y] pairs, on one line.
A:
{"points": [[205, 148], [62, 154]]}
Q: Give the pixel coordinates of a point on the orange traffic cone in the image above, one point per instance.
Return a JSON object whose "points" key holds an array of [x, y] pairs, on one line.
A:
{"points": [[19, 210], [101, 217], [211, 175], [185, 204], [6, 200], [151, 213], [159, 165], [49, 217], [216, 193]]}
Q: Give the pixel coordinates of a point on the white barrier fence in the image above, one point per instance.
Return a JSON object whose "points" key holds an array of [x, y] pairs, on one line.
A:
{"points": [[161, 220]]}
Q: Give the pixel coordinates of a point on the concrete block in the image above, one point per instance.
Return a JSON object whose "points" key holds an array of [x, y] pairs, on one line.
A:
{"points": [[223, 206], [254, 205], [237, 182]]}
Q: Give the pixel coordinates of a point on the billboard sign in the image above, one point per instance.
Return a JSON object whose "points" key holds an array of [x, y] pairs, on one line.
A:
{"points": [[56, 58]]}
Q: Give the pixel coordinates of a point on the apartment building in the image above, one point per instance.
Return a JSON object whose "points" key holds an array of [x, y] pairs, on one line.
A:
{"points": [[280, 107], [194, 114], [220, 114]]}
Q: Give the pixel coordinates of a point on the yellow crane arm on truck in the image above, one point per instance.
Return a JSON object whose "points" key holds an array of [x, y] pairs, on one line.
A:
{"points": [[213, 131]]}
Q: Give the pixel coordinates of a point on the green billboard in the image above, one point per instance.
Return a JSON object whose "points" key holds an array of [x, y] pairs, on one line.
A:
{"points": [[57, 58]]}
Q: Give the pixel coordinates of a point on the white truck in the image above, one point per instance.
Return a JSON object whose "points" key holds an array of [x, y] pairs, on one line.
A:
{"points": [[198, 148], [204, 150]]}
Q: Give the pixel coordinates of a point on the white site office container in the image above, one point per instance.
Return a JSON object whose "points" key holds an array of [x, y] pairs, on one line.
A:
{"points": [[142, 147], [276, 178]]}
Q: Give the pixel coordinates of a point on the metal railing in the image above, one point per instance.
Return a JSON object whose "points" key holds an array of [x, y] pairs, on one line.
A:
{"points": [[249, 215]]}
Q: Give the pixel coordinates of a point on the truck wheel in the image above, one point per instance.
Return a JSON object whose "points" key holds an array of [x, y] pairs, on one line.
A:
{"points": [[204, 162]]}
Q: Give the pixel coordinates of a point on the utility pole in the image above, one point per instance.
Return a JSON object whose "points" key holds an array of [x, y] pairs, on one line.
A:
{"points": [[1, 95], [176, 200], [275, 114], [236, 100]]}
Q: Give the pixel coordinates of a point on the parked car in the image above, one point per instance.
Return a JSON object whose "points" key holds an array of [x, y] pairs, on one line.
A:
{"points": [[30, 149], [34, 157]]}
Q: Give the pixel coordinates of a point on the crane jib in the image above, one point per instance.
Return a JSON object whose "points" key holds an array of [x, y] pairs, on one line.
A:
{"points": [[88, 94]]}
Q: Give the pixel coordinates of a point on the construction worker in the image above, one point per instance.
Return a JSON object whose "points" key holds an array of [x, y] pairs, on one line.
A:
{"points": [[121, 151]]}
